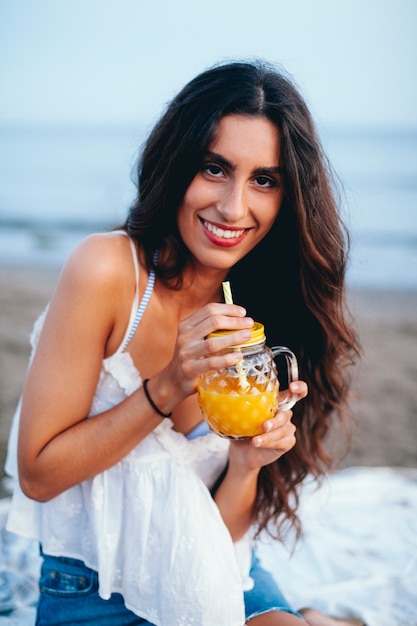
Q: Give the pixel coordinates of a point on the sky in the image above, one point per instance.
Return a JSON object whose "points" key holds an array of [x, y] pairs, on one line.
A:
{"points": [[120, 61]]}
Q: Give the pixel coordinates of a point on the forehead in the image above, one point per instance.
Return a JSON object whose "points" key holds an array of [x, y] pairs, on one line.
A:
{"points": [[242, 136]]}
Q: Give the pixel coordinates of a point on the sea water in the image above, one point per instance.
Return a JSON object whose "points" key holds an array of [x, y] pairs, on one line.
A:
{"points": [[59, 184]]}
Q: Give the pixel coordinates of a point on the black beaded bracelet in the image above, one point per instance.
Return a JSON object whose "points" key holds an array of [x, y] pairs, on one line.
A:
{"points": [[151, 402]]}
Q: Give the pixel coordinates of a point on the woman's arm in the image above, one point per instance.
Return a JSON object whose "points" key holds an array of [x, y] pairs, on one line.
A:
{"points": [[58, 446], [235, 498], [236, 495]]}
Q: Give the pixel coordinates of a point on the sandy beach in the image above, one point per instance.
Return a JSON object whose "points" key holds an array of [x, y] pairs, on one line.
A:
{"points": [[384, 394]]}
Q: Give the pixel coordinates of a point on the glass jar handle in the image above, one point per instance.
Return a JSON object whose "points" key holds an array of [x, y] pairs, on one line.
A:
{"points": [[292, 374]]}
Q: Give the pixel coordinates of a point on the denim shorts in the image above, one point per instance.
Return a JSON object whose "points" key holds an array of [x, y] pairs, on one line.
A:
{"points": [[69, 595]]}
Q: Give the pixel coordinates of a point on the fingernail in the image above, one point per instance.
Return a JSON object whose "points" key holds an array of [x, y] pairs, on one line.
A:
{"points": [[258, 441]]}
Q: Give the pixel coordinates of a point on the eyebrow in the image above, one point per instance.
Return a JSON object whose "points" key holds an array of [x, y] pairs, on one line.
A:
{"points": [[259, 171]]}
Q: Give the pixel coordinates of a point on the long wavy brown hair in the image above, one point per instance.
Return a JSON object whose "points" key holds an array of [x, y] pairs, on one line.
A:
{"points": [[293, 281]]}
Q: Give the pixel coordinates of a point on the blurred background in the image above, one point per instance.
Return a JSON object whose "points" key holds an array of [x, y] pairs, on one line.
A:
{"points": [[82, 83]]}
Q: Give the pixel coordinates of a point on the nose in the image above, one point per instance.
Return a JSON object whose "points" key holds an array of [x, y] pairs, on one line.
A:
{"points": [[233, 203]]}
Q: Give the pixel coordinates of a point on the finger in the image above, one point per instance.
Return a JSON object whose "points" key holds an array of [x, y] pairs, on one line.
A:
{"points": [[193, 334], [208, 348], [280, 419], [218, 312], [275, 429], [228, 340], [282, 440], [216, 316], [204, 362], [300, 388]]}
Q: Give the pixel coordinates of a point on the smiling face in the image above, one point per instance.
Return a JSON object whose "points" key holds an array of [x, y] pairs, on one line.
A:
{"points": [[235, 197]]}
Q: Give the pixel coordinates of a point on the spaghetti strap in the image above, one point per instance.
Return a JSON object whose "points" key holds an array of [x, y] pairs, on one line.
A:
{"points": [[145, 299], [136, 264]]}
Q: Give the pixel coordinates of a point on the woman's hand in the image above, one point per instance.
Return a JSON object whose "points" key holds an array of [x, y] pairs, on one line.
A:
{"points": [[194, 353], [278, 438]]}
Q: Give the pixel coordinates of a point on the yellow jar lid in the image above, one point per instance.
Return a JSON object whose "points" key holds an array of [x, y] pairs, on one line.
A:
{"points": [[257, 336]]}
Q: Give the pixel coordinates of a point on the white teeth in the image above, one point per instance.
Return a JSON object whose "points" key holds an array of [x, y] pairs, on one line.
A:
{"points": [[225, 234]]}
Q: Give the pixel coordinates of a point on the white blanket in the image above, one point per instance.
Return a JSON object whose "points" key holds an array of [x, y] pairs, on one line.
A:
{"points": [[358, 555]]}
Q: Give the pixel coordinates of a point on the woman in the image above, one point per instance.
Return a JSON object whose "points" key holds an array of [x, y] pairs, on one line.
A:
{"points": [[232, 183]]}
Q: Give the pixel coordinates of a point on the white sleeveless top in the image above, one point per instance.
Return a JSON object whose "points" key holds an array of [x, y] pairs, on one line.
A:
{"points": [[148, 524]]}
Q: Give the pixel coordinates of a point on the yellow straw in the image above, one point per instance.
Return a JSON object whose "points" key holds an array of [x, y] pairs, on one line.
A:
{"points": [[227, 292], [243, 381]]}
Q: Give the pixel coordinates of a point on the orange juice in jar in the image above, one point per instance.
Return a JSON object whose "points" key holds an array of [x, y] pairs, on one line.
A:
{"points": [[236, 400]]}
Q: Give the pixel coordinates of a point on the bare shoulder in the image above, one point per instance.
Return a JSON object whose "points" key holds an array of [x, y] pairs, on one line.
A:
{"points": [[102, 251], [101, 258], [95, 290]]}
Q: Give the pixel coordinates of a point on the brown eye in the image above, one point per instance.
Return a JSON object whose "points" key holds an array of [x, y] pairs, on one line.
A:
{"points": [[212, 169], [265, 181]]}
